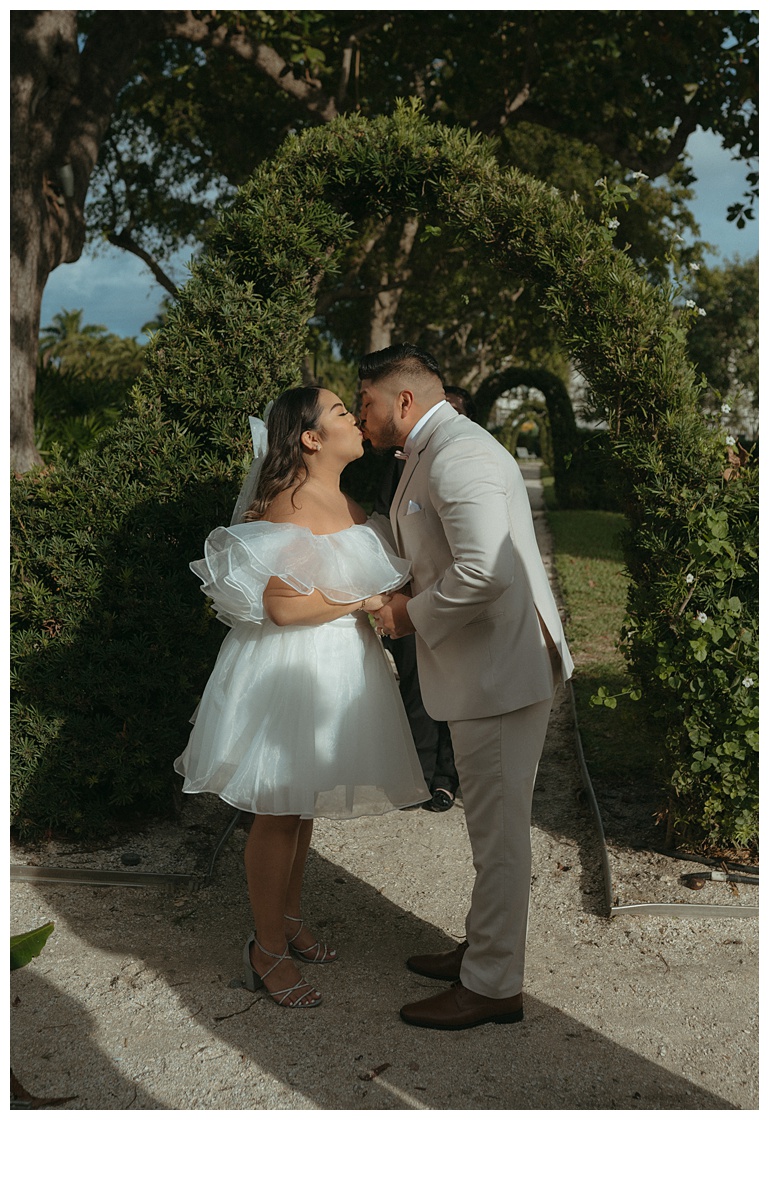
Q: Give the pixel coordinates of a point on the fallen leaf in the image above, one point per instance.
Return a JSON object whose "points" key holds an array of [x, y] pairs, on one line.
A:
{"points": [[372, 1074]]}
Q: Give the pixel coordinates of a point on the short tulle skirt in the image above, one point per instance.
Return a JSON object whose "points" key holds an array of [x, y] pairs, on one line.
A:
{"points": [[306, 720]]}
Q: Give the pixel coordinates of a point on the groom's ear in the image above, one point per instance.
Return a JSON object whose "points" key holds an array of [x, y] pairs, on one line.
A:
{"points": [[405, 403]]}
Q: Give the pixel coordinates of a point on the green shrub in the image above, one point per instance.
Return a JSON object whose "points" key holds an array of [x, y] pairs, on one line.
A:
{"points": [[72, 409], [112, 639], [111, 644], [26, 946], [591, 475], [691, 637]]}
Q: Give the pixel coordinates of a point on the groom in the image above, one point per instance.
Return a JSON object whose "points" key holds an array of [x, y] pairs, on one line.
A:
{"points": [[490, 650]]}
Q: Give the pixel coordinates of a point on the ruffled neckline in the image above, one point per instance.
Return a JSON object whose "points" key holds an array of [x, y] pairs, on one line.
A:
{"points": [[239, 561]]}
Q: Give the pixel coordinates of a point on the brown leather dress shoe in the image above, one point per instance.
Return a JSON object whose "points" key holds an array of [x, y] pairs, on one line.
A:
{"points": [[459, 1008], [438, 966]]}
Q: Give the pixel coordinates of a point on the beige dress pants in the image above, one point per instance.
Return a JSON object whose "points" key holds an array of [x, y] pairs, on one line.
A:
{"points": [[497, 759]]}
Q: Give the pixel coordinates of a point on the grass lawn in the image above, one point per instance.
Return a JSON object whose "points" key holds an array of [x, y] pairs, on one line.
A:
{"points": [[619, 750]]}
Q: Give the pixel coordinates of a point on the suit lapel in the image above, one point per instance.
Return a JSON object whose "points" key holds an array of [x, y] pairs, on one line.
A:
{"points": [[408, 470], [423, 437]]}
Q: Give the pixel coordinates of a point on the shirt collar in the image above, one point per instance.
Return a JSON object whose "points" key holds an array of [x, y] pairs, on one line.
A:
{"points": [[409, 446]]}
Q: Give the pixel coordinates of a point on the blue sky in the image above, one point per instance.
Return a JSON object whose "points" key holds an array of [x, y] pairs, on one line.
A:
{"points": [[115, 289]]}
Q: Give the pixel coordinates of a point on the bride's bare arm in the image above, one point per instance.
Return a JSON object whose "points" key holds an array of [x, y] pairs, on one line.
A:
{"points": [[285, 606]]}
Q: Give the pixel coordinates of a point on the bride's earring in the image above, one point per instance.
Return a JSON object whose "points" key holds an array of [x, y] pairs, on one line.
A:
{"points": [[310, 441]]}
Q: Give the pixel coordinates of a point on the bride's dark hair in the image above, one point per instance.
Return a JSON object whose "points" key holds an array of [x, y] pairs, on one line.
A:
{"points": [[294, 412]]}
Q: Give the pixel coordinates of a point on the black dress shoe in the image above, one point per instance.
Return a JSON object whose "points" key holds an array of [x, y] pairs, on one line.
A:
{"points": [[440, 801]]}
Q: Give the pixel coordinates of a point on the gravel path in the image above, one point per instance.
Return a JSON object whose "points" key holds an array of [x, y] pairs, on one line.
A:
{"points": [[135, 1003]]}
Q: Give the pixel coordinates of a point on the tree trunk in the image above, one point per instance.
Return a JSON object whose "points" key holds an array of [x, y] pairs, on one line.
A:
{"points": [[62, 100], [384, 310], [42, 75], [28, 278]]}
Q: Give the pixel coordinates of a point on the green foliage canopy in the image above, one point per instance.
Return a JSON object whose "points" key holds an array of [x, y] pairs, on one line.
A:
{"points": [[567, 95]]}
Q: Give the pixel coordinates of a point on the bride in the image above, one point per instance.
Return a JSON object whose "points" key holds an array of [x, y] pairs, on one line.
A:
{"points": [[301, 716]]}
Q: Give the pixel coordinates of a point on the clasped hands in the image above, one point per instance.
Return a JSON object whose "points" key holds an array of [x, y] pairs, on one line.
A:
{"points": [[390, 614]]}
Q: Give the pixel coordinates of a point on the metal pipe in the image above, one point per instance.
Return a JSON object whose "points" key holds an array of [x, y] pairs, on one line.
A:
{"points": [[172, 882], [676, 909]]}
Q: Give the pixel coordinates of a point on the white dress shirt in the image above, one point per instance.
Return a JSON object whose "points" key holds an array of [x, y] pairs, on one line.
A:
{"points": [[422, 421]]}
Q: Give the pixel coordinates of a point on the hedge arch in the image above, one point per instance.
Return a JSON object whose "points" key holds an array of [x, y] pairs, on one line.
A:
{"points": [[560, 413], [586, 472], [508, 434], [557, 399], [113, 641]]}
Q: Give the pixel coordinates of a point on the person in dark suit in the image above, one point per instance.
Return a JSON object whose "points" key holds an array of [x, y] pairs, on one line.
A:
{"points": [[432, 738], [461, 400]]}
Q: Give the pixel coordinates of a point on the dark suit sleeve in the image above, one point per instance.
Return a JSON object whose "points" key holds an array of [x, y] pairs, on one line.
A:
{"points": [[389, 486]]}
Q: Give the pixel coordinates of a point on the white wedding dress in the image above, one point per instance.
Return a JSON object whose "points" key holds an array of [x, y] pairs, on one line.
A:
{"points": [[301, 719]]}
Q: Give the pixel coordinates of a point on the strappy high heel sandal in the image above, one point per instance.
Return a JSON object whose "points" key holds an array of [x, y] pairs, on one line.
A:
{"points": [[281, 996], [318, 952]]}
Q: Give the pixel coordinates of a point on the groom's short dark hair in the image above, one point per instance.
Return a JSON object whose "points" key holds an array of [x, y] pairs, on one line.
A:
{"points": [[404, 357]]}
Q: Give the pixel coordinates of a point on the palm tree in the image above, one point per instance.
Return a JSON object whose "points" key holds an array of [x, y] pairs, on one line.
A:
{"points": [[64, 343], [88, 350]]}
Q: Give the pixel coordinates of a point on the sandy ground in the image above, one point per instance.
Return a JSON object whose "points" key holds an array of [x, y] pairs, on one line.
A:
{"points": [[135, 1002]]}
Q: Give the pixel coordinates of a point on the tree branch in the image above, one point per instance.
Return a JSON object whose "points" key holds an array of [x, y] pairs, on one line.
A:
{"points": [[361, 253], [105, 64], [529, 67], [605, 140], [124, 241], [351, 56], [209, 33]]}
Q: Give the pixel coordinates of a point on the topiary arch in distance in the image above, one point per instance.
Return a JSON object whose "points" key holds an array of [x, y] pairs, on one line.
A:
{"points": [[113, 641], [586, 473]]}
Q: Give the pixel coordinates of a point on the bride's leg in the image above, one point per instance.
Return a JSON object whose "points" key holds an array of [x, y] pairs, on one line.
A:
{"points": [[270, 857], [294, 890], [302, 939]]}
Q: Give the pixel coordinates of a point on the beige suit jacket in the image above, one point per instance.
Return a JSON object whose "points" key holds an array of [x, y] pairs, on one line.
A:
{"points": [[461, 515]]}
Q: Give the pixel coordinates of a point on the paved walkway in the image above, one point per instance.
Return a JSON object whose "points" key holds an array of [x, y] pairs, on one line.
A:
{"points": [[134, 1003]]}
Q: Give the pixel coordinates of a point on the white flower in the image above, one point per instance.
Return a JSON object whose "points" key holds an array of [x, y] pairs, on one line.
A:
{"points": [[702, 617], [690, 304], [639, 175], [694, 266], [613, 223], [677, 237], [726, 408], [600, 182], [748, 681], [690, 578], [730, 440], [702, 312]]}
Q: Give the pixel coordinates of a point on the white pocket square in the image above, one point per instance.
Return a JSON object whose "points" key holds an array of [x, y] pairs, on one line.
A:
{"points": [[412, 507]]}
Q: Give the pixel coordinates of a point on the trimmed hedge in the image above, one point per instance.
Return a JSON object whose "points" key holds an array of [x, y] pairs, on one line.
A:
{"points": [[562, 423], [112, 640], [586, 473]]}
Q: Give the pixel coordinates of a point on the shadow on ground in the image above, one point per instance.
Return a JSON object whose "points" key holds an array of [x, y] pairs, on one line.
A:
{"points": [[152, 1021]]}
